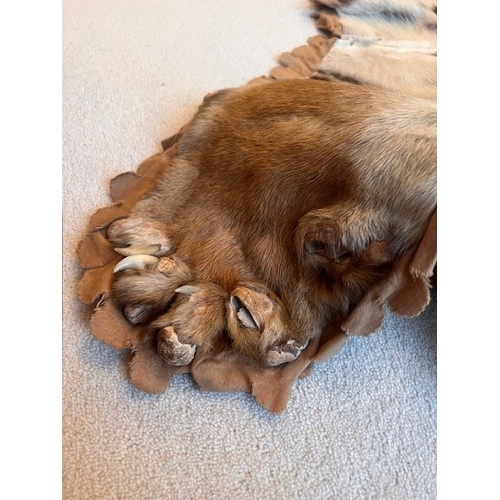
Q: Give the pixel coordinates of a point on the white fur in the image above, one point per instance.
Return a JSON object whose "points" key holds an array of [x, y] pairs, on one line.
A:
{"points": [[387, 51], [403, 70]]}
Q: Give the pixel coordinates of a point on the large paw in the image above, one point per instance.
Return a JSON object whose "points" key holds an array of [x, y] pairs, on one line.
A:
{"points": [[260, 327], [139, 236], [146, 290], [195, 319]]}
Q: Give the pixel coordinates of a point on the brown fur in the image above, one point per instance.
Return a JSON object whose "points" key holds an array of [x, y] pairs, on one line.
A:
{"points": [[307, 189]]}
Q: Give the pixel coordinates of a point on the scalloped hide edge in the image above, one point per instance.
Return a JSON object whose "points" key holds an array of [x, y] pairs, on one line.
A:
{"points": [[271, 387], [124, 185], [405, 290], [104, 216], [95, 284], [110, 326], [147, 372], [95, 250]]}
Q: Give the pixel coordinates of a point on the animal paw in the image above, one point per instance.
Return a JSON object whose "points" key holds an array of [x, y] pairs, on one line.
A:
{"points": [[145, 287], [139, 236], [196, 319], [260, 327]]}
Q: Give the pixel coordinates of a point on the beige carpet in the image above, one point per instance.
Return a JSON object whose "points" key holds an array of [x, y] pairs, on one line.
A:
{"points": [[363, 425]]}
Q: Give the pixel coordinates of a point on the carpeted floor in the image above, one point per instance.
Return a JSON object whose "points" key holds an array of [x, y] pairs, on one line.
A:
{"points": [[361, 426]]}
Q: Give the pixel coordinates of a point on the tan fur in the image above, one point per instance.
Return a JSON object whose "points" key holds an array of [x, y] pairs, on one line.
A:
{"points": [[148, 293], [197, 318], [308, 189]]}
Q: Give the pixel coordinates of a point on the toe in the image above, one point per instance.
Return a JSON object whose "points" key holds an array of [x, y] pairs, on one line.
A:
{"points": [[139, 236], [171, 350], [284, 353]]}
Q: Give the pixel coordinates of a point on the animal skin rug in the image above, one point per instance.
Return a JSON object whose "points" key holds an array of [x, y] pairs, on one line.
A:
{"points": [[390, 44]]}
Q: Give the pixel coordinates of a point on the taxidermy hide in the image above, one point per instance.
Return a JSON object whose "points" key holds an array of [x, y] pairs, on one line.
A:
{"points": [[284, 216]]}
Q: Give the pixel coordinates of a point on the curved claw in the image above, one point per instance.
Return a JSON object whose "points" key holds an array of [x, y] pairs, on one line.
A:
{"points": [[132, 234], [188, 289], [136, 262], [138, 250]]}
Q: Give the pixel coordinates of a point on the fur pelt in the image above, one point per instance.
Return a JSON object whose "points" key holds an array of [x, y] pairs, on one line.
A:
{"points": [[169, 311], [285, 203]]}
